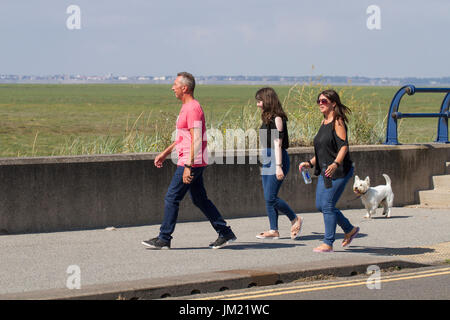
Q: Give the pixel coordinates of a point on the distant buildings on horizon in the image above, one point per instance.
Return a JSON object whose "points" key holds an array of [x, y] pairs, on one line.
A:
{"points": [[223, 79]]}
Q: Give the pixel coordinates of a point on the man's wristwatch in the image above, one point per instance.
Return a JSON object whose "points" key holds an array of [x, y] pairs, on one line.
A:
{"points": [[188, 166]]}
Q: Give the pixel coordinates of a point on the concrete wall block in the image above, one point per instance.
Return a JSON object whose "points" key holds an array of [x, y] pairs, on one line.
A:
{"points": [[47, 194]]}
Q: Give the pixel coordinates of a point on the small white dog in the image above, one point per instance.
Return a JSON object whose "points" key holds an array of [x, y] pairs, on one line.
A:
{"points": [[373, 197]]}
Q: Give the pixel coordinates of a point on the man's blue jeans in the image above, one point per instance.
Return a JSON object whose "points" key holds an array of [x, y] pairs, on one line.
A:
{"points": [[326, 200], [271, 187], [176, 192]]}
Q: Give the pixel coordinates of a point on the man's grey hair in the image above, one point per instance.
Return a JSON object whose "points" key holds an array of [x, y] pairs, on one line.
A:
{"points": [[188, 80]]}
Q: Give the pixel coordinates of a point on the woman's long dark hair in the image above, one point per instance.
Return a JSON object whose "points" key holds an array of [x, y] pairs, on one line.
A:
{"points": [[340, 110], [271, 105]]}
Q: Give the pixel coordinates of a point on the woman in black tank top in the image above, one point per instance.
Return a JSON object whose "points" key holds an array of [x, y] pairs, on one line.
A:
{"points": [[334, 167]]}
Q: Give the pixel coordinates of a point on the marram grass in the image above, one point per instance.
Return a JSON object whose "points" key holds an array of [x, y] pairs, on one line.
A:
{"points": [[304, 122]]}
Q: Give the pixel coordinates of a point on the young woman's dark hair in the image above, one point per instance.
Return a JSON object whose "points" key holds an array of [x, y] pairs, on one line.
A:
{"points": [[340, 110], [271, 105]]}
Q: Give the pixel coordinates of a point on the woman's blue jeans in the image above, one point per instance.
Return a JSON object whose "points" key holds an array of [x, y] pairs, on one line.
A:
{"points": [[326, 200], [271, 187]]}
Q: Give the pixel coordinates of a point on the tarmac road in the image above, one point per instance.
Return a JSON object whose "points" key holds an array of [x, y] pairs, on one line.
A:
{"points": [[431, 283]]}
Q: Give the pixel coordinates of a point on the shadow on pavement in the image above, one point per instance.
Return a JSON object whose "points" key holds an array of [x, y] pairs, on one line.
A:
{"points": [[261, 245], [391, 217], [383, 251], [243, 246]]}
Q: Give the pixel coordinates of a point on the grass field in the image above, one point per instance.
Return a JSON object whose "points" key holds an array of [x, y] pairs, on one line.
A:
{"points": [[38, 120]]}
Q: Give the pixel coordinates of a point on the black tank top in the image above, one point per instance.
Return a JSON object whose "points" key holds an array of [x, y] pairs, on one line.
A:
{"points": [[326, 147], [265, 135]]}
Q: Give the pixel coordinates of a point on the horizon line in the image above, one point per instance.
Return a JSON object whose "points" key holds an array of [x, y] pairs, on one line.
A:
{"points": [[110, 74]]}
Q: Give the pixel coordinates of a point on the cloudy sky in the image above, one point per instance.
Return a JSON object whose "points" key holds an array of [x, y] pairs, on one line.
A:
{"points": [[232, 37]]}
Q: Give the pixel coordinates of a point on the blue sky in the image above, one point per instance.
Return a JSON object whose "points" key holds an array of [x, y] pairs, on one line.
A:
{"points": [[209, 37]]}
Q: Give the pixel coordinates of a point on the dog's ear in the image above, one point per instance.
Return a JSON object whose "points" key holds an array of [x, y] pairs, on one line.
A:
{"points": [[367, 180], [357, 178]]}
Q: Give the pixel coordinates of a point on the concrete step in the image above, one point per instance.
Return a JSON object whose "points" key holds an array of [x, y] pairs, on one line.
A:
{"points": [[442, 182], [435, 198], [439, 197]]}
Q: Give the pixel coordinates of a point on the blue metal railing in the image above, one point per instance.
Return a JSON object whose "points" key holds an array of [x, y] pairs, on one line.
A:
{"points": [[394, 115]]}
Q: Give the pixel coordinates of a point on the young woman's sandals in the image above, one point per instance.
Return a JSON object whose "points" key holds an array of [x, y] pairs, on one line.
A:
{"points": [[296, 228], [271, 234], [274, 234]]}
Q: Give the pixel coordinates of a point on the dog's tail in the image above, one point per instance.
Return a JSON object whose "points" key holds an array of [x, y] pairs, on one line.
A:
{"points": [[388, 180]]}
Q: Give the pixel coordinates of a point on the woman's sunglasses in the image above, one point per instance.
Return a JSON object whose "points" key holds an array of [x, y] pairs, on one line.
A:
{"points": [[322, 101]]}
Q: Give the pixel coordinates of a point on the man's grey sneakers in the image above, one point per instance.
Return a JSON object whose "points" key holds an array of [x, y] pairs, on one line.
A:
{"points": [[157, 243], [223, 241]]}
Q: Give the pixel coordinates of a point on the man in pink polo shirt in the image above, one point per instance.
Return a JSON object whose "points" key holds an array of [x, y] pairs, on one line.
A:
{"points": [[191, 117], [191, 146]]}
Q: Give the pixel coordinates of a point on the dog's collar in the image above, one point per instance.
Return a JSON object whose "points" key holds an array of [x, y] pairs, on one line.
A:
{"points": [[355, 198], [358, 196]]}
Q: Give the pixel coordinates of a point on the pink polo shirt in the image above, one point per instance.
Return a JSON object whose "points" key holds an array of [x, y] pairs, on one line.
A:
{"points": [[191, 116]]}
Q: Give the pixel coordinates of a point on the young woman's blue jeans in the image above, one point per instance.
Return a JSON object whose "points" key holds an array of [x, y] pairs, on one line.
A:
{"points": [[176, 192], [326, 200], [271, 187]]}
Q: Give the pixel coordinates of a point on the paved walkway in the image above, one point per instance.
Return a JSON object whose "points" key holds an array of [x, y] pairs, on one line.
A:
{"points": [[36, 265]]}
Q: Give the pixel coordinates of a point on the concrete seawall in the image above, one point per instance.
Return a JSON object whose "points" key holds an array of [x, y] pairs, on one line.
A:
{"points": [[83, 192]]}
